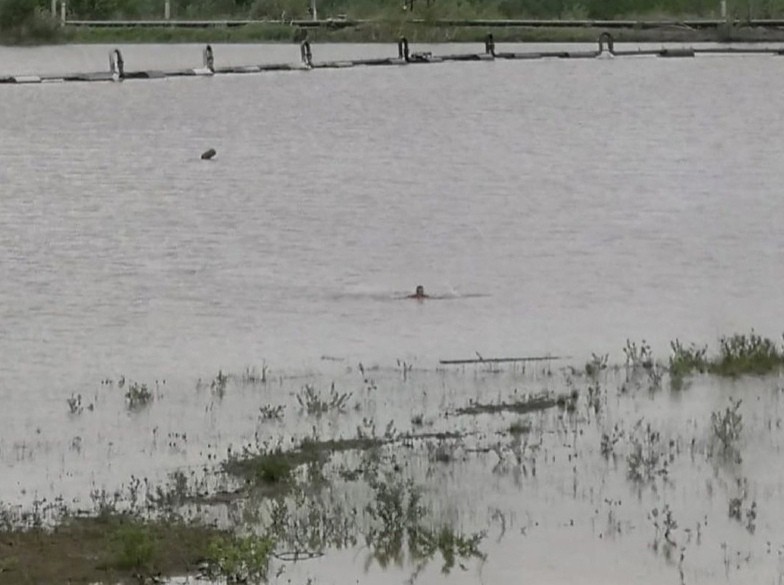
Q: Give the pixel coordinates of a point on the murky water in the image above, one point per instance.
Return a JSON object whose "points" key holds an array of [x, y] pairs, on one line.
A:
{"points": [[557, 206]]}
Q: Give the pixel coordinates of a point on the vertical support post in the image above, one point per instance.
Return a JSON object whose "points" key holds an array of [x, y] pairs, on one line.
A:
{"points": [[54, 8], [313, 10], [62, 11], [724, 9], [167, 10]]}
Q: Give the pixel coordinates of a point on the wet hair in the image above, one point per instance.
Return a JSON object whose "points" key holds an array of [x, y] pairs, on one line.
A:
{"points": [[420, 290]]}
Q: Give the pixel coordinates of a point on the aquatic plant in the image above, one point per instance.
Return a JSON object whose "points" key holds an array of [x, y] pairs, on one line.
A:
{"points": [[218, 384], [138, 396], [728, 425], [685, 360], [400, 524], [75, 404], [274, 468], [269, 412], [608, 442], [664, 522], [648, 458], [747, 354], [638, 356], [240, 559], [252, 376], [313, 404], [597, 364]]}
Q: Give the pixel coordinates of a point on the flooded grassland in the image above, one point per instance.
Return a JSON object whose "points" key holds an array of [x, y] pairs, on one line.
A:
{"points": [[646, 469]]}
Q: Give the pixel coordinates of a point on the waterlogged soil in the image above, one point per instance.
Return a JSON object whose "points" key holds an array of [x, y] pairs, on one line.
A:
{"points": [[408, 472]]}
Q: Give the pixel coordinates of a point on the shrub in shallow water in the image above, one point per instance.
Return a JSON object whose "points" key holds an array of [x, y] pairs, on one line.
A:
{"points": [[240, 559], [728, 425], [138, 396], [685, 360], [311, 401], [747, 354], [739, 354]]}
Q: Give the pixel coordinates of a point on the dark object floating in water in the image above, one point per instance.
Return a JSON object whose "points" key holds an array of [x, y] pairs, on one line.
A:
{"points": [[208, 154]]}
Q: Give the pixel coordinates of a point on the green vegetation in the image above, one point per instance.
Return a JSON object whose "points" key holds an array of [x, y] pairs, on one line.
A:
{"points": [[419, 20], [685, 360], [109, 548], [382, 492], [286, 10], [138, 396], [311, 401], [747, 354], [24, 21], [240, 559], [739, 354], [728, 425]]}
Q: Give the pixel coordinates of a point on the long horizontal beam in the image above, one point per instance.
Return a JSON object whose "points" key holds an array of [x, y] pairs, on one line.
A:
{"points": [[332, 23]]}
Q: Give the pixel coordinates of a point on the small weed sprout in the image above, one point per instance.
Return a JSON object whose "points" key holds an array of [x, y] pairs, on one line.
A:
{"points": [[138, 396], [647, 459], [75, 404], [269, 412], [638, 357], [728, 425], [311, 402], [609, 440], [596, 365], [594, 397], [218, 384], [252, 376], [664, 523]]}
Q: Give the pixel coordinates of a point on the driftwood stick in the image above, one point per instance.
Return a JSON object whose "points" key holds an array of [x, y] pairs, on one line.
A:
{"points": [[481, 360]]}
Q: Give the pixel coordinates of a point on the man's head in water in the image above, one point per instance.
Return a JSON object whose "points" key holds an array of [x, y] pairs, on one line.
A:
{"points": [[420, 292]]}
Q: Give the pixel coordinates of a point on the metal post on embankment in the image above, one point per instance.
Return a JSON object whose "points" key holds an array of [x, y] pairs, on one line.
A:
{"points": [[606, 37], [62, 11], [305, 54], [208, 59], [490, 44], [402, 49]]}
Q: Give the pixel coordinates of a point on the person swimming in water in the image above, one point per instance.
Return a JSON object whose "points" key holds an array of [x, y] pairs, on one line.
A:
{"points": [[419, 293]]}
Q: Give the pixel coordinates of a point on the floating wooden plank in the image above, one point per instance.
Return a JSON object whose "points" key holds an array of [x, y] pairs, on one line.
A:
{"points": [[481, 360]]}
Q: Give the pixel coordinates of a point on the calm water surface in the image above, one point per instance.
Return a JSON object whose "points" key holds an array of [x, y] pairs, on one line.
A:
{"points": [[557, 206], [586, 201]]}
